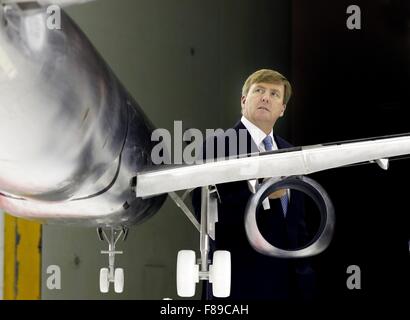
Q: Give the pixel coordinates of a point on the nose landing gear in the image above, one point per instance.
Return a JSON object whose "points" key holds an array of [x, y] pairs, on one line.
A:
{"points": [[112, 274]]}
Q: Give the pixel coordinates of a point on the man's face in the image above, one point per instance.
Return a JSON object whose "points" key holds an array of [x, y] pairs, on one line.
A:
{"points": [[263, 104]]}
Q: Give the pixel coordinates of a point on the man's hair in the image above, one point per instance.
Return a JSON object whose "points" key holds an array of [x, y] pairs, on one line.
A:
{"points": [[268, 76]]}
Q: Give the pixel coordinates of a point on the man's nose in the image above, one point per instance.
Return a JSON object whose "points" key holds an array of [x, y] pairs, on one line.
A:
{"points": [[265, 97]]}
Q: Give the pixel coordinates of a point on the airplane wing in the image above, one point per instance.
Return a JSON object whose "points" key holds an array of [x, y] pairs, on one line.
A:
{"points": [[293, 162], [285, 162]]}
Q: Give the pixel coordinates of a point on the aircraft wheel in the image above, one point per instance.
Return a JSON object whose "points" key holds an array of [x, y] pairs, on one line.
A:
{"points": [[119, 280], [187, 273], [220, 274], [104, 281]]}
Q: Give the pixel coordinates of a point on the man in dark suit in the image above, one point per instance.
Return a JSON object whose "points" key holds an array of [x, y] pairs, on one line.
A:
{"points": [[255, 276]]}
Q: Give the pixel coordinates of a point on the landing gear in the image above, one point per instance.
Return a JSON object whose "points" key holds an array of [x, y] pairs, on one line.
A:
{"points": [[188, 271], [111, 274]]}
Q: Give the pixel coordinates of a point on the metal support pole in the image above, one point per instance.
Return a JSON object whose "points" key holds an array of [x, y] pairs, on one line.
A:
{"points": [[204, 240]]}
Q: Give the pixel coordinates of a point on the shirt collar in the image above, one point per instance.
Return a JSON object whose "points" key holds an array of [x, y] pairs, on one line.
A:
{"points": [[258, 135]]}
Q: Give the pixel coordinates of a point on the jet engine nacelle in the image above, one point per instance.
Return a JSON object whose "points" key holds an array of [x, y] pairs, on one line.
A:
{"points": [[312, 189]]}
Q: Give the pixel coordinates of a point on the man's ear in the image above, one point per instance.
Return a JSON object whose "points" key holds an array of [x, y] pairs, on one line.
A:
{"points": [[283, 110], [243, 100]]}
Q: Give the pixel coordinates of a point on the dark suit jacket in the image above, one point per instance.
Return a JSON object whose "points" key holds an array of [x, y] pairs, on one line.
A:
{"points": [[256, 276]]}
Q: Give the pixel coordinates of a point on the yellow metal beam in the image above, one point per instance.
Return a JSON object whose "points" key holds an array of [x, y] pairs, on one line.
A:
{"points": [[22, 255]]}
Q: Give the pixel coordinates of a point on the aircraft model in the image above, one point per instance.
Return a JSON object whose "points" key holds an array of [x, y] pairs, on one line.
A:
{"points": [[76, 150]]}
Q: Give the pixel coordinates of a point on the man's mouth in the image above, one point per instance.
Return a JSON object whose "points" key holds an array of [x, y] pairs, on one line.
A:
{"points": [[263, 108]]}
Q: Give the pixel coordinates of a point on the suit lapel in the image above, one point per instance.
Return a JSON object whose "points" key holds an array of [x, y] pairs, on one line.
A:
{"points": [[279, 142]]}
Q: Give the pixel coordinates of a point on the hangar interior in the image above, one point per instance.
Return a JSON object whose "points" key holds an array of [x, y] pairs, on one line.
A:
{"points": [[186, 61]]}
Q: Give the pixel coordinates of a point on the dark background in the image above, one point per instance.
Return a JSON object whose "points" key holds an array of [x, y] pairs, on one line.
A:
{"points": [[352, 84]]}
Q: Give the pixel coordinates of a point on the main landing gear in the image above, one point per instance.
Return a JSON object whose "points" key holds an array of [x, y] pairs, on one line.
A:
{"points": [[190, 271]]}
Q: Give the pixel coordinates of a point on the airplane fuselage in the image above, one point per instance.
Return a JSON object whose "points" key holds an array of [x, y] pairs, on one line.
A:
{"points": [[73, 138]]}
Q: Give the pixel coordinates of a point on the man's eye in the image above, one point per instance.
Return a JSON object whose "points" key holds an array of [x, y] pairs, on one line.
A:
{"points": [[275, 94]]}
